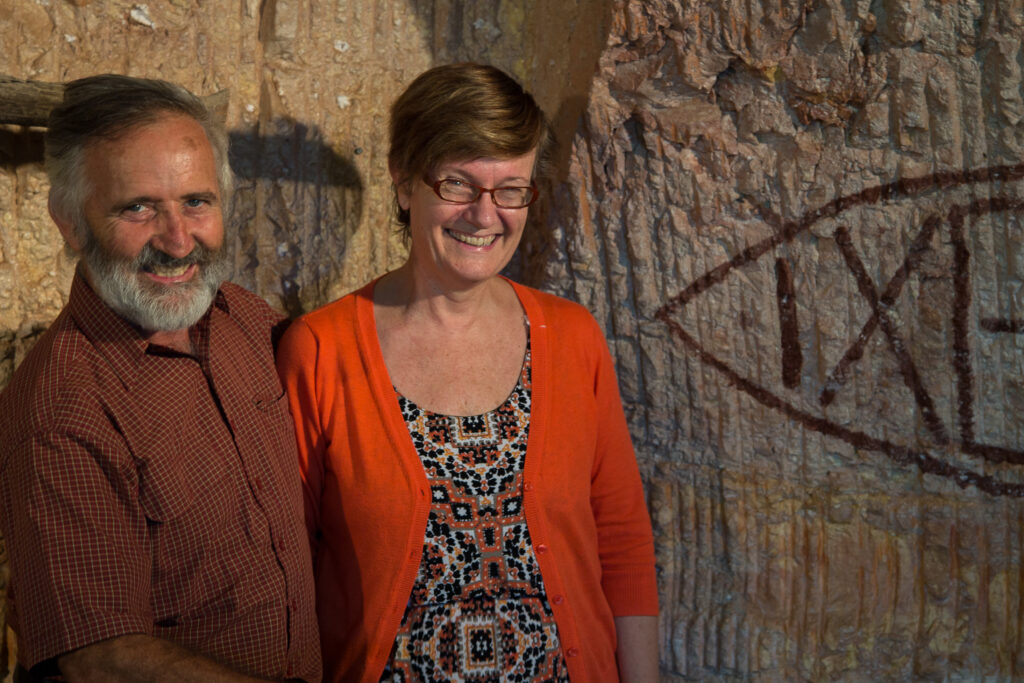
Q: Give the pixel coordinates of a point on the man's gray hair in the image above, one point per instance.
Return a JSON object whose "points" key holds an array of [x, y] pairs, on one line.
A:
{"points": [[104, 108]]}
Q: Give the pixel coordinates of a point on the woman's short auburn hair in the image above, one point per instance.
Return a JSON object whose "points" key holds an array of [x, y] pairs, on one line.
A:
{"points": [[463, 112]]}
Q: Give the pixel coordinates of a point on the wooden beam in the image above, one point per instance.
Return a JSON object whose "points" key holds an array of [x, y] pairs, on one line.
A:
{"points": [[28, 103]]}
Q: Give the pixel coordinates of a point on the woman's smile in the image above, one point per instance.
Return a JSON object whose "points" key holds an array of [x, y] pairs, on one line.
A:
{"points": [[472, 240]]}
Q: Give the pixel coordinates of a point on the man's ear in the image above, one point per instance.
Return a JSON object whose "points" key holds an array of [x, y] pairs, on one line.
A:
{"points": [[401, 187], [66, 225]]}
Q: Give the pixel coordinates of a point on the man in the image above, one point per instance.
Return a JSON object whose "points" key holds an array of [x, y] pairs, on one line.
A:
{"points": [[150, 494]]}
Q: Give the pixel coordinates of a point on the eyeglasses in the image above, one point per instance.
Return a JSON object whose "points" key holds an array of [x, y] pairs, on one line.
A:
{"points": [[462, 192]]}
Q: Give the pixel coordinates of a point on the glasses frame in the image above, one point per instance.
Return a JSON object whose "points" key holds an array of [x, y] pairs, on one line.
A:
{"points": [[480, 191]]}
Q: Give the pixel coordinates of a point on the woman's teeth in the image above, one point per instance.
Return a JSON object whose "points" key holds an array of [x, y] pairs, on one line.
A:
{"points": [[471, 240]]}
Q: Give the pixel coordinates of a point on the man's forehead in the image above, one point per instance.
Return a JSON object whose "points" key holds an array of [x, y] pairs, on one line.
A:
{"points": [[191, 133], [168, 156]]}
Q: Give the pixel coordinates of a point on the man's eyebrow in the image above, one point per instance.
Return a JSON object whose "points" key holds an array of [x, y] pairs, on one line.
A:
{"points": [[132, 201], [205, 196]]}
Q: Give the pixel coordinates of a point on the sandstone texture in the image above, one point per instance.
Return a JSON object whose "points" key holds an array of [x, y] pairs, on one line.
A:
{"points": [[802, 226], [800, 223]]}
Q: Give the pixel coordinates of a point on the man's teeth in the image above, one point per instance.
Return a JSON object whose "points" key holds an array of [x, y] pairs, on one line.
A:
{"points": [[170, 271], [471, 240]]}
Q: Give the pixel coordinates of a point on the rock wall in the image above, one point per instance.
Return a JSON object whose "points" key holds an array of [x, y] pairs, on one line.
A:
{"points": [[800, 224]]}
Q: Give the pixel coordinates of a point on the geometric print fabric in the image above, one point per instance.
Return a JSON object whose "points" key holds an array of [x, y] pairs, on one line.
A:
{"points": [[478, 611]]}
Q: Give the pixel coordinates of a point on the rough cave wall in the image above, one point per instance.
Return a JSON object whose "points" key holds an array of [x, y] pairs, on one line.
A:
{"points": [[802, 226], [798, 222]]}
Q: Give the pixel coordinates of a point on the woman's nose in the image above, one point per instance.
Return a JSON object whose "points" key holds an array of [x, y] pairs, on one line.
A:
{"points": [[483, 211]]}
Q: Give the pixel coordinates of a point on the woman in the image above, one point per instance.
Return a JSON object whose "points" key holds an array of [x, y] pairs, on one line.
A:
{"points": [[472, 496]]}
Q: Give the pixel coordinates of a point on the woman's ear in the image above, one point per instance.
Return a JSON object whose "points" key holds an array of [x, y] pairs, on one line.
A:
{"points": [[68, 229], [402, 187]]}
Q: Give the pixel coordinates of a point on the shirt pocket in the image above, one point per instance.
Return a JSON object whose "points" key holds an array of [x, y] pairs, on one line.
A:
{"points": [[275, 433], [178, 474], [274, 427]]}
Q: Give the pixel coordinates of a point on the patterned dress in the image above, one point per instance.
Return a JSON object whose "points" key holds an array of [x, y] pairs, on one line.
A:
{"points": [[478, 611]]}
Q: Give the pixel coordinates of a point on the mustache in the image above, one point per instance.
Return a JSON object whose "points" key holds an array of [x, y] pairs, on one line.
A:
{"points": [[149, 257]]}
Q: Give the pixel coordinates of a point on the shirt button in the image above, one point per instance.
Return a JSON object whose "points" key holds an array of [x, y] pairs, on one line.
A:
{"points": [[558, 600], [542, 548], [572, 652], [259, 483]]}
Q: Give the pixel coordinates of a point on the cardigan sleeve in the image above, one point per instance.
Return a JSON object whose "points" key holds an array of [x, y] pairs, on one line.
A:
{"points": [[625, 541], [298, 356]]}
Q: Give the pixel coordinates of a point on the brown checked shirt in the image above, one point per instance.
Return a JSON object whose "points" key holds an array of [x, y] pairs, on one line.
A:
{"points": [[147, 491]]}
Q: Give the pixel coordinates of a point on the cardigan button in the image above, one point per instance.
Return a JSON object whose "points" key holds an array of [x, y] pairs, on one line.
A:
{"points": [[542, 548], [558, 600], [528, 486], [572, 652]]}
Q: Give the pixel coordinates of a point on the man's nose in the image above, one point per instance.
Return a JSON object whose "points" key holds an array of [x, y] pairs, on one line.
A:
{"points": [[173, 236]]}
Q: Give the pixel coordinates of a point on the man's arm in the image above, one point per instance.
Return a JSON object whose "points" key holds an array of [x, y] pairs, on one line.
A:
{"points": [[637, 650], [142, 658]]}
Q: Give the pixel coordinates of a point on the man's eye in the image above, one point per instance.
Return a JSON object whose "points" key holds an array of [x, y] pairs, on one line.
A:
{"points": [[194, 203], [137, 212]]}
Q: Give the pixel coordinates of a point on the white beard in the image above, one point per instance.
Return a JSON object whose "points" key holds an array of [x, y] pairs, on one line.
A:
{"points": [[153, 307]]}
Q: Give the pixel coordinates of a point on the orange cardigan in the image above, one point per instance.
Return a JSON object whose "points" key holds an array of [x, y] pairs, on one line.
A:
{"points": [[366, 493]]}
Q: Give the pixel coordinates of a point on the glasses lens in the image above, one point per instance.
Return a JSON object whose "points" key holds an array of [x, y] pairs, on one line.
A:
{"points": [[457, 191], [513, 197]]}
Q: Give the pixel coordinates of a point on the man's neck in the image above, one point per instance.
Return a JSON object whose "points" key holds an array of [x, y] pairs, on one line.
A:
{"points": [[173, 339]]}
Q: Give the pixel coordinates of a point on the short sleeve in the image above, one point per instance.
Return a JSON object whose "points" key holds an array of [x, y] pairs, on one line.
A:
{"points": [[79, 555]]}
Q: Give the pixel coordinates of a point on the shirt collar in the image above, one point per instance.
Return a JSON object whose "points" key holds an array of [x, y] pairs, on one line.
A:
{"points": [[121, 341]]}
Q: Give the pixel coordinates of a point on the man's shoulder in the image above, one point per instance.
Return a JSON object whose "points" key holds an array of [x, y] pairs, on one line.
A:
{"points": [[251, 313], [55, 377], [246, 305]]}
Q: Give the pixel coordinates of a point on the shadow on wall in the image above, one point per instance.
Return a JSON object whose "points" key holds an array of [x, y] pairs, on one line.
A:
{"points": [[20, 146], [271, 157], [252, 156], [298, 191]]}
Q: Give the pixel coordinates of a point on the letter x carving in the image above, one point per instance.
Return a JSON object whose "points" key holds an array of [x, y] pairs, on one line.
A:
{"points": [[881, 317]]}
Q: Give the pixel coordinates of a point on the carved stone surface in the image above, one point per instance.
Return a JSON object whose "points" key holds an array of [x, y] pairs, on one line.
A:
{"points": [[801, 225]]}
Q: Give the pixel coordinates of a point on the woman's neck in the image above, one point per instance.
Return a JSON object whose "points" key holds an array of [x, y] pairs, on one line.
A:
{"points": [[439, 303]]}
